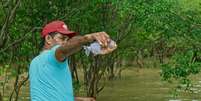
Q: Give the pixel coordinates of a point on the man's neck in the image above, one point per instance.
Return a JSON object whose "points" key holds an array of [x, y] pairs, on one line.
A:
{"points": [[46, 47]]}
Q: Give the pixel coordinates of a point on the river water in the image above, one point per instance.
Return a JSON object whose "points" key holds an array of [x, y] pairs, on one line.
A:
{"points": [[135, 85], [146, 85]]}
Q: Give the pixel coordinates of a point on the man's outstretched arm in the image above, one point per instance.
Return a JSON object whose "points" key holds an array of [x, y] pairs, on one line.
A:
{"points": [[75, 44]]}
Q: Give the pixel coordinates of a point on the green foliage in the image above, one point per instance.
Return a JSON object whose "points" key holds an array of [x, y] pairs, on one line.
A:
{"points": [[76, 86], [143, 28], [180, 67]]}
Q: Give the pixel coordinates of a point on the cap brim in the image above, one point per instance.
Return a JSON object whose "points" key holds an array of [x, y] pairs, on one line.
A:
{"points": [[68, 33]]}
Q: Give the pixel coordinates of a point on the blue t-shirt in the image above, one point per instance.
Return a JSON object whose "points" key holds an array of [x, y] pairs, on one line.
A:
{"points": [[50, 80]]}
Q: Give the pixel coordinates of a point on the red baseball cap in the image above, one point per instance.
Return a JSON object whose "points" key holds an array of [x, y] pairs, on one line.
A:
{"points": [[57, 26]]}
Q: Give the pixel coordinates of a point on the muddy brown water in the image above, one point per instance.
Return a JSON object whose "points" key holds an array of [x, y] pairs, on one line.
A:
{"points": [[134, 85]]}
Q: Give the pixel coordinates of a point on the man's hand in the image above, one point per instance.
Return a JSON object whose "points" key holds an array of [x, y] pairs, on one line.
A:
{"points": [[84, 99], [101, 37], [104, 40], [107, 50]]}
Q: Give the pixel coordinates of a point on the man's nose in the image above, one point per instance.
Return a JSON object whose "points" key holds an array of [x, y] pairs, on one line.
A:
{"points": [[63, 42]]}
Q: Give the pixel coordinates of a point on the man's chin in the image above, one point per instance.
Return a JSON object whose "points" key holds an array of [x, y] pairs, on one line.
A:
{"points": [[56, 45]]}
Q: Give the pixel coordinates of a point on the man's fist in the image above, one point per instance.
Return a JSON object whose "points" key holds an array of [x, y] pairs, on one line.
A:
{"points": [[101, 37], [88, 99], [106, 44], [111, 47]]}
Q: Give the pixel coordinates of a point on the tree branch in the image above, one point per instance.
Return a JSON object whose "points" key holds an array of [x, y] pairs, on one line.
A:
{"points": [[19, 40], [8, 21]]}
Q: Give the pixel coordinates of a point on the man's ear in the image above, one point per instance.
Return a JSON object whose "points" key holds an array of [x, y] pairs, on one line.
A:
{"points": [[48, 39]]}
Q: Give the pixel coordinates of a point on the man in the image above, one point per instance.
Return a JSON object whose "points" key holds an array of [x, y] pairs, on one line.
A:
{"points": [[50, 77]]}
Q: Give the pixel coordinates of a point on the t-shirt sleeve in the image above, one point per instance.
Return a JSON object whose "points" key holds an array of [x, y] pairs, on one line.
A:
{"points": [[52, 56]]}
